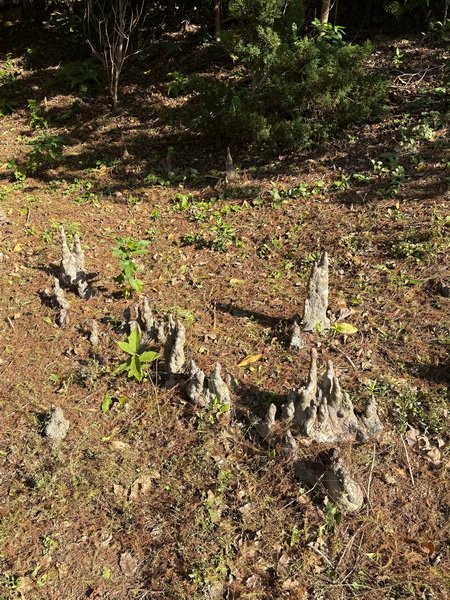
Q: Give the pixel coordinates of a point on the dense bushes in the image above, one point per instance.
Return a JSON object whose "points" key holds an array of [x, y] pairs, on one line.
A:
{"points": [[286, 89]]}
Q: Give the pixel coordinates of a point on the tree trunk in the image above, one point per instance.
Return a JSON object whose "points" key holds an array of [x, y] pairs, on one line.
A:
{"points": [[115, 89], [217, 19], [325, 11]]}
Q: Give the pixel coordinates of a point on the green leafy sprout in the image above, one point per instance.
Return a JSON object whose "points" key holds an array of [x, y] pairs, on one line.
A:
{"points": [[126, 250], [136, 364]]}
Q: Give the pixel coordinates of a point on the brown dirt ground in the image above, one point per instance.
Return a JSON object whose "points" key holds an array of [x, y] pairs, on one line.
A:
{"points": [[223, 516]]}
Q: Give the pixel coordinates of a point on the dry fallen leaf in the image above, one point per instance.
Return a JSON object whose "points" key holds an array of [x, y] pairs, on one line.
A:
{"points": [[128, 564], [118, 445], [233, 282], [248, 360], [434, 456], [142, 485], [428, 547], [120, 491], [282, 566]]}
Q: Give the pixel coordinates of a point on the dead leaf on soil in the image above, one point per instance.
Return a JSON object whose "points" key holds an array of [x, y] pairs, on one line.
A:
{"points": [[128, 564], [282, 566], [120, 491], [248, 360], [142, 485], [434, 456], [3, 218], [253, 582], [118, 445], [106, 542], [428, 547], [233, 282]]}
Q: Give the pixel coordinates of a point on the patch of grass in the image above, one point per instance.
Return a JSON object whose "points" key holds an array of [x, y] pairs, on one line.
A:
{"points": [[407, 406], [50, 235], [411, 248]]}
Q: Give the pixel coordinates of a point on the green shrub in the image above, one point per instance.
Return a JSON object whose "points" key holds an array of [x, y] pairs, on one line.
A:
{"points": [[289, 90], [80, 75], [36, 119], [45, 148]]}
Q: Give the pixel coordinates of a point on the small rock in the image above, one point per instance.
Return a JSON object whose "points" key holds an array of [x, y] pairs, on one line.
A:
{"points": [[58, 426], [389, 479]]}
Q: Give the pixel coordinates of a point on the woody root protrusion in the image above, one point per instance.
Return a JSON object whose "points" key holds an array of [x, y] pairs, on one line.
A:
{"points": [[169, 332], [316, 304], [166, 331], [72, 269], [202, 390], [56, 298], [333, 480], [321, 412], [324, 413]]}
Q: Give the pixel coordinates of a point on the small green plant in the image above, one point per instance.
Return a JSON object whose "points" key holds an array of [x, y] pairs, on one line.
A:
{"points": [[211, 414], [9, 581], [45, 148], [35, 119], [50, 235], [18, 171], [328, 31], [397, 59], [126, 250], [156, 180], [8, 74], [177, 85], [224, 235], [79, 75], [410, 248], [133, 200], [88, 198], [408, 406], [182, 202], [49, 544], [333, 518], [193, 239], [109, 401], [344, 182], [136, 364]]}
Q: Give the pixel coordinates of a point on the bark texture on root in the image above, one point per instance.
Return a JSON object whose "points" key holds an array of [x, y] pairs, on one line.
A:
{"points": [[72, 269], [202, 390], [316, 303], [325, 414]]}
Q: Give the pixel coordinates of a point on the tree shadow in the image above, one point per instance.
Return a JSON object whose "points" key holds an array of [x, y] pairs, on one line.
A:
{"points": [[147, 127], [437, 374], [280, 326]]}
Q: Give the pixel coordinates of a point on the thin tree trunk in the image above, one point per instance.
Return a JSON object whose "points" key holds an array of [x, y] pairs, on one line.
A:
{"points": [[115, 90], [336, 11], [325, 11], [217, 19]]}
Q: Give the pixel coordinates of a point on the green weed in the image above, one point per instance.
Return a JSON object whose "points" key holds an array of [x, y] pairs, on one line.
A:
{"points": [[36, 119], [126, 250], [137, 362]]}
